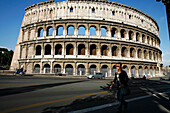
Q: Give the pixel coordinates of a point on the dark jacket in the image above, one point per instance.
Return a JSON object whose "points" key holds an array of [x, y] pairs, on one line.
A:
{"points": [[121, 78]]}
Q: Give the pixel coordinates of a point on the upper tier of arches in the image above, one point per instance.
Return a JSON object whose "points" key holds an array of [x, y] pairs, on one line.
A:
{"points": [[109, 11]]}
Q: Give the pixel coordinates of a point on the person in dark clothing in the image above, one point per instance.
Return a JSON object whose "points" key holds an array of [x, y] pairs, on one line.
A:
{"points": [[121, 79]]}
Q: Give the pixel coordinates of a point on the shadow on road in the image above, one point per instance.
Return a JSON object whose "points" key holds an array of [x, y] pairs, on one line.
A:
{"points": [[10, 91], [138, 88]]}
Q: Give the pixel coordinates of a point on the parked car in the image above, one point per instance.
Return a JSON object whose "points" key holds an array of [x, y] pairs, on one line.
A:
{"points": [[97, 75]]}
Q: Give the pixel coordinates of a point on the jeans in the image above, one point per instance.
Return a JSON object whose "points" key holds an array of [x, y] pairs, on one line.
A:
{"points": [[121, 100]]}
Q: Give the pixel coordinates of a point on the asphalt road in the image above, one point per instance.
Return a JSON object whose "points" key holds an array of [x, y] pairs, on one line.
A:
{"points": [[23, 94], [29, 94]]}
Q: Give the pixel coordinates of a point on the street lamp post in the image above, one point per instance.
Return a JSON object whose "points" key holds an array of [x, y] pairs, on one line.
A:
{"points": [[167, 4]]}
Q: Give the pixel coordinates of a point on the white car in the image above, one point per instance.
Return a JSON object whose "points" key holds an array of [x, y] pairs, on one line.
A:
{"points": [[97, 75]]}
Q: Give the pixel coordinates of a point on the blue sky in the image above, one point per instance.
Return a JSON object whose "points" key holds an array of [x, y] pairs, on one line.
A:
{"points": [[12, 12]]}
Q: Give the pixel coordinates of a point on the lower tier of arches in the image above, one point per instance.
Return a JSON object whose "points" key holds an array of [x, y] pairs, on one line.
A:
{"points": [[83, 68]]}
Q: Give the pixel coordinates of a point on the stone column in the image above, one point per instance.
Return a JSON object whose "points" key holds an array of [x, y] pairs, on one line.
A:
{"points": [[51, 67], [140, 37], [41, 70], [45, 31], [118, 33], [42, 50], [75, 69], [76, 30], [127, 35], [134, 36], [64, 49], [52, 50], [98, 32], [87, 52], [110, 67], [128, 52], [54, 31], [87, 69], [99, 49], [110, 51], [75, 49], [64, 68], [65, 30], [109, 32], [119, 51], [137, 72]]}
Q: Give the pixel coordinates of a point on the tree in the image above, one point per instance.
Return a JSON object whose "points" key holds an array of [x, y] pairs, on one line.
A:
{"points": [[5, 58]]}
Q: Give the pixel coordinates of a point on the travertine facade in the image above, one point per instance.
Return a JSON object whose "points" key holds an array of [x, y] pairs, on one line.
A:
{"points": [[80, 37]]}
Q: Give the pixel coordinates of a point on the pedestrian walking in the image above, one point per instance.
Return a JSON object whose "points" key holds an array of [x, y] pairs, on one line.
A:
{"points": [[121, 81]]}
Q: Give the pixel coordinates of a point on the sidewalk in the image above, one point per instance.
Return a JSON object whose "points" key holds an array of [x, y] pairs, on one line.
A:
{"points": [[158, 103]]}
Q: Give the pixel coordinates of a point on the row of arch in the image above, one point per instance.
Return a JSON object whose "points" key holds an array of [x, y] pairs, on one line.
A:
{"points": [[51, 11], [104, 31], [81, 70], [93, 50]]}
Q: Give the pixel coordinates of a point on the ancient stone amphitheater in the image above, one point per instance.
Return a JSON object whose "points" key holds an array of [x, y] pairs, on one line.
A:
{"points": [[80, 37]]}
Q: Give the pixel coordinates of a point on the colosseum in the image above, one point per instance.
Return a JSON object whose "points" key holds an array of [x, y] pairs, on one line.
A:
{"points": [[81, 37]]}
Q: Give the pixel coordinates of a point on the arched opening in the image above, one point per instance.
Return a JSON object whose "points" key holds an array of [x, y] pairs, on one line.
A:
{"points": [[104, 50], [150, 55], [148, 39], [37, 68], [57, 68], [114, 70], [137, 36], [105, 70], [70, 30], [59, 30], [125, 68], [69, 69], [114, 51], [93, 69], [48, 49], [122, 32], [103, 31], [81, 70], [132, 52], [130, 35], [38, 50], [154, 57], [143, 38], [139, 53], [133, 71], [49, 31], [113, 32], [93, 49], [145, 54], [140, 72], [154, 71], [69, 49], [151, 72], [146, 71], [123, 52], [58, 49], [40, 32], [81, 30], [46, 68], [92, 30], [152, 41], [81, 49]]}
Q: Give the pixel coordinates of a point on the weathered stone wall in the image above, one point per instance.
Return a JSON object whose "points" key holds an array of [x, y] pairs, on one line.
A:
{"points": [[136, 39]]}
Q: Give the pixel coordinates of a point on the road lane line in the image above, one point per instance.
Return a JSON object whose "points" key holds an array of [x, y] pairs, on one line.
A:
{"points": [[49, 102]]}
